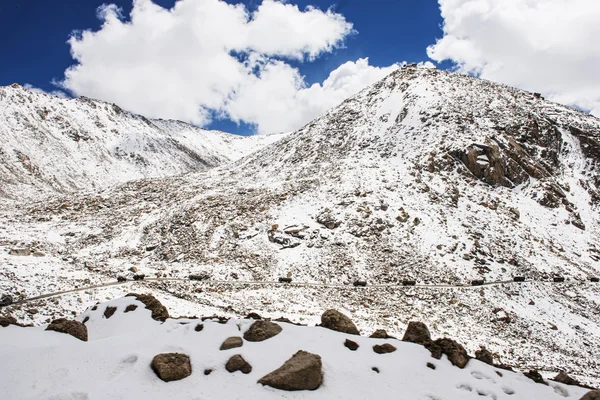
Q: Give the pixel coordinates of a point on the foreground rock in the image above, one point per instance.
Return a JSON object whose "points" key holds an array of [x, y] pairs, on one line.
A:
{"points": [[73, 328], [384, 348], [417, 332], [304, 371], [232, 343], [237, 363], [159, 312], [593, 395], [262, 330], [336, 321], [8, 320], [455, 352], [171, 366]]}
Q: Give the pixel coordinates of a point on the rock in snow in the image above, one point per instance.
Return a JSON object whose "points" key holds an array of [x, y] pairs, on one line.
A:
{"points": [[172, 366], [301, 372], [73, 328], [262, 330], [336, 321]]}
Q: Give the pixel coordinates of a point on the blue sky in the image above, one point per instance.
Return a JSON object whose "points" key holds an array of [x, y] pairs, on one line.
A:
{"points": [[35, 34], [475, 36]]}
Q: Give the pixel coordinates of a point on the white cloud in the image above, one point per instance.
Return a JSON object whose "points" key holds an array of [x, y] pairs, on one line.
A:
{"points": [[547, 46], [279, 100], [206, 56]]}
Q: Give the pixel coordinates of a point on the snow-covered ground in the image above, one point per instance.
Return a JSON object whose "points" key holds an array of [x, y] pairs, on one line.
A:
{"points": [[426, 175], [115, 364]]}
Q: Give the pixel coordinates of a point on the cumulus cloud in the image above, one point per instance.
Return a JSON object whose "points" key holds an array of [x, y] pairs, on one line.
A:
{"points": [[207, 57], [546, 46], [278, 99]]}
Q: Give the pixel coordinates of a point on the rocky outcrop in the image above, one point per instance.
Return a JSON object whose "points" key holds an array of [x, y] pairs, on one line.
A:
{"points": [[171, 366], [237, 363], [231, 343], [159, 312], [8, 320], [566, 379], [535, 376], [262, 330], [455, 352], [301, 372], [417, 332], [73, 328], [109, 311], [484, 355], [384, 348], [336, 321]]}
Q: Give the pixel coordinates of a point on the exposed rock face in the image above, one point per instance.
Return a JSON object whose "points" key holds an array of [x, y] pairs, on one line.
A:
{"points": [[237, 363], [384, 348], [301, 372], [485, 356], [73, 328], [171, 366], [455, 352], [336, 321], [231, 343], [159, 312], [417, 332], [351, 345], [262, 330]]}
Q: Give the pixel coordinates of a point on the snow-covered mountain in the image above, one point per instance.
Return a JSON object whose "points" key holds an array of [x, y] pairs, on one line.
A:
{"points": [[50, 144], [138, 353], [427, 175]]}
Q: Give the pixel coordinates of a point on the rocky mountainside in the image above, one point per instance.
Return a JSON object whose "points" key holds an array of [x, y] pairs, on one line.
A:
{"points": [[427, 175], [54, 145], [139, 352]]}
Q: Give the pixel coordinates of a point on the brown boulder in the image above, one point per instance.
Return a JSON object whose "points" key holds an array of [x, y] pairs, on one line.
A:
{"points": [[380, 334], [384, 348], [336, 321], [304, 371], [8, 320], [262, 330], [535, 376], [417, 332], [109, 312], [171, 366], [484, 355], [237, 363], [73, 328], [231, 343], [455, 352], [159, 312], [351, 345], [566, 379], [593, 395]]}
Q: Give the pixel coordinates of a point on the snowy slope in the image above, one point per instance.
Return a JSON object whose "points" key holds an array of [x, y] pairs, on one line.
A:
{"points": [[49, 144], [115, 364], [426, 175]]}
